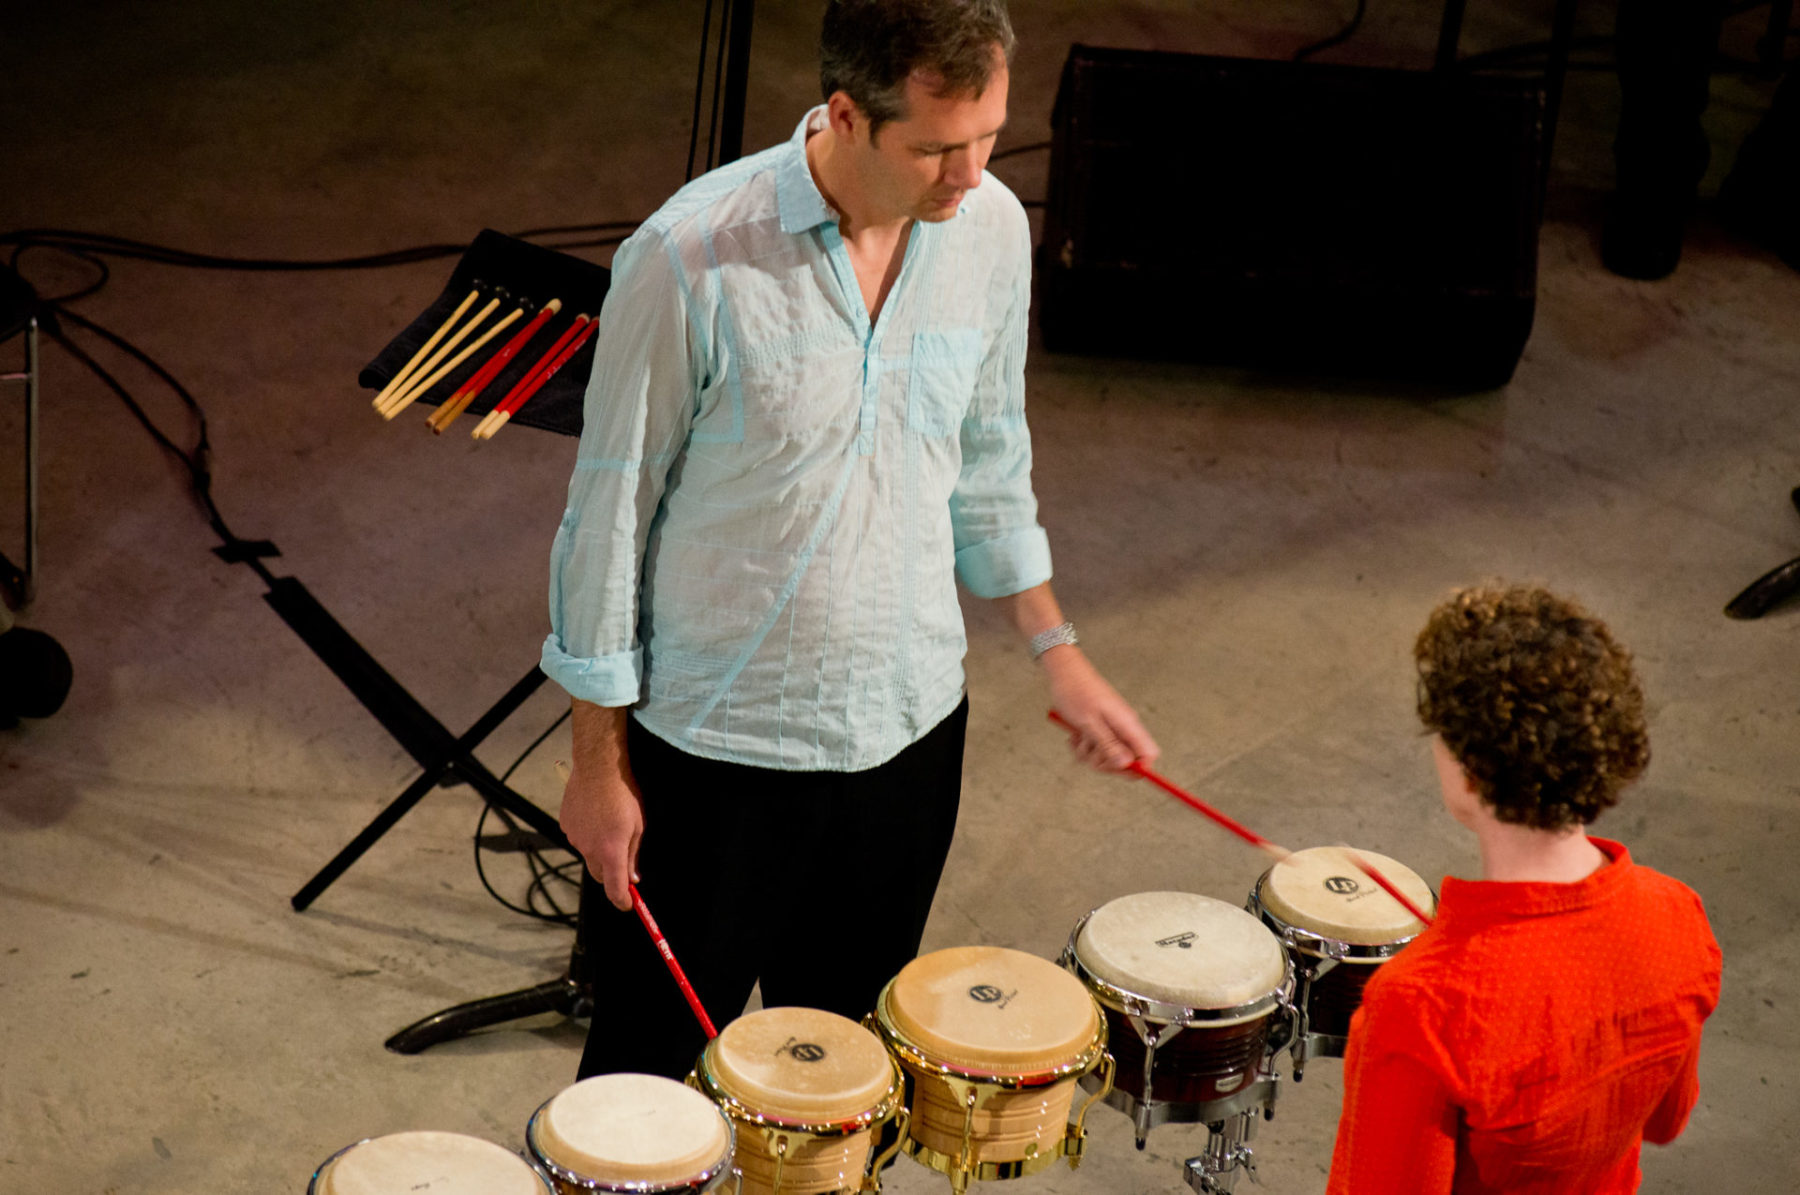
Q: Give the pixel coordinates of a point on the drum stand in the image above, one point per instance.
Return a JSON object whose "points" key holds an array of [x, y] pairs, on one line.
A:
{"points": [[1306, 1043], [572, 995], [1227, 1154]]}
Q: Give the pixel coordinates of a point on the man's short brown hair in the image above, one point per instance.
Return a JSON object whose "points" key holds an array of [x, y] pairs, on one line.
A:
{"points": [[867, 49], [1536, 700]]}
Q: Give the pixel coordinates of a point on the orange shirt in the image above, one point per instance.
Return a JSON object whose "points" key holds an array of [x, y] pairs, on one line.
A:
{"points": [[1531, 1039]]}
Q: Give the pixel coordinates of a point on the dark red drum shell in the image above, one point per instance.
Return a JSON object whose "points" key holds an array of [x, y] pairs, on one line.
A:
{"points": [[1335, 996], [1191, 1065]]}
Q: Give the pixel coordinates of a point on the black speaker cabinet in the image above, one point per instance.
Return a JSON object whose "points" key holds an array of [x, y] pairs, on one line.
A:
{"points": [[1346, 221]]}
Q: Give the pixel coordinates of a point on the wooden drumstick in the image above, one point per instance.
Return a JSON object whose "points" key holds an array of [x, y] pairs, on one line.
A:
{"points": [[404, 396], [399, 379], [1385, 884], [449, 366], [1279, 853], [443, 350], [471, 389], [662, 943]]}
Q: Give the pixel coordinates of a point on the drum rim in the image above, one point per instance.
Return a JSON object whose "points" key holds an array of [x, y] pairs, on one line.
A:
{"points": [[697, 1182], [702, 1079], [312, 1186], [907, 1051], [1319, 945], [1149, 1008]]}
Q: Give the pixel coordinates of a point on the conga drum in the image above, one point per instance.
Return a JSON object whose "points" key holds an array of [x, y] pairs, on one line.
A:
{"points": [[631, 1133], [1190, 987], [807, 1092], [992, 1042], [434, 1163], [1337, 926]]}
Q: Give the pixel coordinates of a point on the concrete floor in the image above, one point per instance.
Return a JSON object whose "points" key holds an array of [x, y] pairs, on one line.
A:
{"points": [[1248, 558]]}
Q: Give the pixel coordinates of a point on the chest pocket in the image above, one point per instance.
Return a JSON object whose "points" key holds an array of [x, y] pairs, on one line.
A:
{"points": [[944, 368]]}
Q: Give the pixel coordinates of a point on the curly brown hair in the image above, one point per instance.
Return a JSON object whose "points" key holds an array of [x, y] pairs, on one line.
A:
{"points": [[1536, 700]]}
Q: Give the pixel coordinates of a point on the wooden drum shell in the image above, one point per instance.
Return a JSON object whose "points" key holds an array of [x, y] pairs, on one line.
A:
{"points": [[1333, 998], [1197, 1065], [809, 1164], [1008, 1125]]}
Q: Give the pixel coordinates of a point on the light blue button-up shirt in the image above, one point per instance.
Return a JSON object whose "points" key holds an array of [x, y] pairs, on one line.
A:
{"points": [[772, 497]]}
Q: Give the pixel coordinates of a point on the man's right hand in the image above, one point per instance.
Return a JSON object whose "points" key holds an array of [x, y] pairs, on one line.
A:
{"points": [[602, 811]]}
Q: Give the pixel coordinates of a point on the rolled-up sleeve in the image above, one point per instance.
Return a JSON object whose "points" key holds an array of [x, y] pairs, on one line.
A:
{"points": [[648, 369], [1000, 549]]}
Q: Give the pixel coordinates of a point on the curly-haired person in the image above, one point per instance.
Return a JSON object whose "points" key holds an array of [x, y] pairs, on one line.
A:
{"points": [[1549, 1020]]}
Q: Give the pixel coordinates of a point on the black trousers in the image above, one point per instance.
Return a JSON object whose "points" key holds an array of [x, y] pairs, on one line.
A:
{"points": [[816, 884]]}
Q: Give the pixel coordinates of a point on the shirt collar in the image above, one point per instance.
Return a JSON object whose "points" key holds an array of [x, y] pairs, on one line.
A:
{"points": [[802, 207], [1491, 900]]}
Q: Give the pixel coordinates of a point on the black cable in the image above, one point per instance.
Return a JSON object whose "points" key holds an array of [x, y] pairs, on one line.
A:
{"points": [[699, 87], [1337, 39], [89, 244], [542, 870], [117, 246], [104, 270], [556, 229], [195, 462]]}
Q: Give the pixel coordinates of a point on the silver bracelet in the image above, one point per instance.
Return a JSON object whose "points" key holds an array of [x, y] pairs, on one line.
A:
{"points": [[1043, 641]]}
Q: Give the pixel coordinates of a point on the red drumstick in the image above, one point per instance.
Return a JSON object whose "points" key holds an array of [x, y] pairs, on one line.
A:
{"points": [[472, 389], [1252, 837], [1386, 885], [566, 346], [1195, 803], [569, 333], [533, 385], [662, 946]]}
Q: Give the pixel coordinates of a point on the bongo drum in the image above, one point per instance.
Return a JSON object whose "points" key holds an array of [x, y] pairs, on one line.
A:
{"points": [[1337, 927], [636, 1133], [807, 1091], [434, 1163], [1190, 988], [992, 1042]]}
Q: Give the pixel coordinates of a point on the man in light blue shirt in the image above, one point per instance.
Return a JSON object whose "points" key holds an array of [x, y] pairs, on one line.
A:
{"points": [[806, 420]]}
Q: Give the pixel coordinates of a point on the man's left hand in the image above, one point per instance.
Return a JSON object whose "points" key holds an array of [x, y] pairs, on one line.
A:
{"points": [[1107, 734]]}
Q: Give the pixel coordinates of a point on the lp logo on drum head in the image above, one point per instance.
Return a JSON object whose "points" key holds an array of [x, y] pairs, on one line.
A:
{"points": [[802, 1051], [987, 993], [1342, 885]]}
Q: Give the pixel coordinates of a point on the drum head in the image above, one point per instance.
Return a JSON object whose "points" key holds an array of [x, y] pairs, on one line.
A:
{"points": [[436, 1163], [986, 1008], [1321, 890], [632, 1128], [1179, 948], [801, 1064]]}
